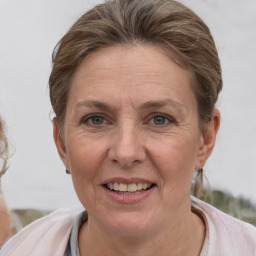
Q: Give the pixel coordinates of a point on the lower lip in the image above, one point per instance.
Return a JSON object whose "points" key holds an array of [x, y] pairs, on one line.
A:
{"points": [[129, 198]]}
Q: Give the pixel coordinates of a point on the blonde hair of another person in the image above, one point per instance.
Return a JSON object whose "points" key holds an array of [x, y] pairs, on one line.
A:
{"points": [[4, 212]]}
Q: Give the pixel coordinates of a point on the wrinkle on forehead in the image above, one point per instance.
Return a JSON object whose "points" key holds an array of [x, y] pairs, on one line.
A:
{"points": [[101, 105], [119, 72], [107, 77], [129, 61]]}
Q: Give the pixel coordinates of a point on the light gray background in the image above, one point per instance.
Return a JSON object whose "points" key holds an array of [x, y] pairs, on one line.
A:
{"points": [[29, 31]]}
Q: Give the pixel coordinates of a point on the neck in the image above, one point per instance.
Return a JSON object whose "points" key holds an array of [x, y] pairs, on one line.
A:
{"points": [[184, 236]]}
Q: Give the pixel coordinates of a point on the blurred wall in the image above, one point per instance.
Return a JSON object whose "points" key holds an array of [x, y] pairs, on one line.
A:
{"points": [[29, 31]]}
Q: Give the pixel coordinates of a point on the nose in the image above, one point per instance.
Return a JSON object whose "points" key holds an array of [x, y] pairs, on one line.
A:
{"points": [[127, 147]]}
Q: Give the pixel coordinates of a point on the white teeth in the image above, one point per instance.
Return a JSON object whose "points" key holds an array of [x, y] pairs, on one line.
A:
{"points": [[116, 186], [122, 187], [132, 187], [139, 186], [144, 186]]}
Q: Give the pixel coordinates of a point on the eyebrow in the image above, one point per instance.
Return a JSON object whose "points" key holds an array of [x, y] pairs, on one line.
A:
{"points": [[163, 103], [149, 104], [93, 103]]}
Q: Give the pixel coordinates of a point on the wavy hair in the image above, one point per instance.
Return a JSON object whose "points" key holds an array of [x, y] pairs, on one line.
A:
{"points": [[4, 153]]}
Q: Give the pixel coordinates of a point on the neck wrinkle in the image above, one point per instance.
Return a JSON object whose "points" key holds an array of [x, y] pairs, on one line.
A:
{"points": [[184, 237]]}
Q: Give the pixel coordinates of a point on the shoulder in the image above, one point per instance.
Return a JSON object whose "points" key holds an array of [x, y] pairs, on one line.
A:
{"points": [[227, 233], [5, 220], [49, 233]]}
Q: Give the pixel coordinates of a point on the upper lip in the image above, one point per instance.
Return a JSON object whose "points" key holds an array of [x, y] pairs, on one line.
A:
{"points": [[127, 180]]}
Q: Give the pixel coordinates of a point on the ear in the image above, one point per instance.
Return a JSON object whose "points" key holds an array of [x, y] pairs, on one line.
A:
{"points": [[208, 139], [60, 145]]}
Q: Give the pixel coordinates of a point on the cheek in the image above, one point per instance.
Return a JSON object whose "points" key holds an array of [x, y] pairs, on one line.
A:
{"points": [[175, 160], [85, 158], [85, 161]]}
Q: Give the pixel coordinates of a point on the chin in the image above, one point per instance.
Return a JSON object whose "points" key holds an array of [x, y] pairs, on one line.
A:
{"points": [[129, 224]]}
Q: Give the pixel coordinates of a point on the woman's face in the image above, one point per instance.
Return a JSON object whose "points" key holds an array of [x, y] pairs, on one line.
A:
{"points": [[131, 139]]}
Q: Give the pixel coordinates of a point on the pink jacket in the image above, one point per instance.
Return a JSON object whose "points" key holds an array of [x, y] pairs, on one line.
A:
{"points": [[225, 236], [47, 236]]}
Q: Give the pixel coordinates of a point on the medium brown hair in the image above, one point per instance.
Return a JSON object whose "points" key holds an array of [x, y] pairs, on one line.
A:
{"points": [[165, 23], [3, 150]]}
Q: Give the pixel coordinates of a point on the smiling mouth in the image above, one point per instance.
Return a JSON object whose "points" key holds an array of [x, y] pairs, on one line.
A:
{"points": [[132, 188]]}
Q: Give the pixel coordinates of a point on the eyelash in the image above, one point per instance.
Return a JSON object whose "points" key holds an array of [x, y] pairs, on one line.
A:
{"points": [[86, 119], [167, 117]]}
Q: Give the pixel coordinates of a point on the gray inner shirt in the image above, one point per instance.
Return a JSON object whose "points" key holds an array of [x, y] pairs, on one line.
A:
{"points": [[72, 246]]}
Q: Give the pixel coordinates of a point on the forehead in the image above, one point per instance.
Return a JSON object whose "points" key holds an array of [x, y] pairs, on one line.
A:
{"points": [[135, 60], [143, 70]]}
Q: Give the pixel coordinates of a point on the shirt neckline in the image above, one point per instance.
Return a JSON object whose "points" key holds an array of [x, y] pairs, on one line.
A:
{"points": [[82, 217]]}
